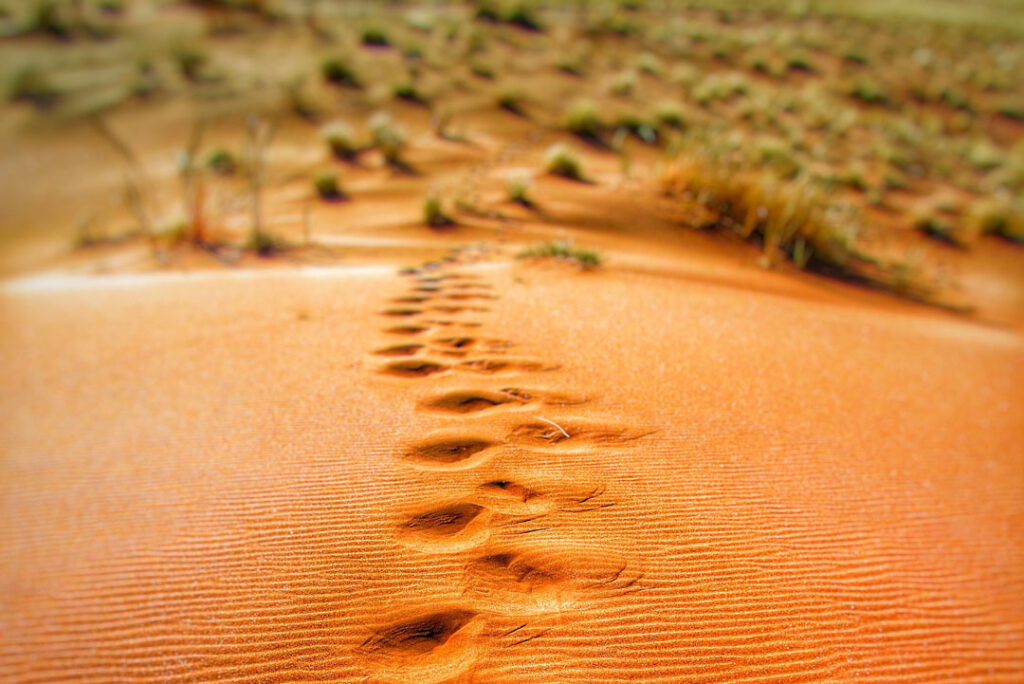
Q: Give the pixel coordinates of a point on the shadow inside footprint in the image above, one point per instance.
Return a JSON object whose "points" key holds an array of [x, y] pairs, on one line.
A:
{"points": [[399, 350], [425, 649], [446, 529], [413, 368], [448, 453]]}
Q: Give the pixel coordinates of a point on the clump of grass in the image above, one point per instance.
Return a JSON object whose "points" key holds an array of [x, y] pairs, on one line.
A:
{"points": [[518, 190], [570, 65], [482, 70], [581, 119], [792, 221], [562, 249], [511, 100], [32, 86], [340, 142], [266, 244], [638, 126], [190, 63], [563, 161], [327, 188], [670, 114], [624, 84], [406, 90], [998, 216], [222, 161], [374, 36], [434, 214], [869, 92], [340, 73], [388, 138], [523, 15]]}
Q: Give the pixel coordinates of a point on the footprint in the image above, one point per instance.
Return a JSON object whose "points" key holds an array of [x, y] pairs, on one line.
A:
{"points": [[427, 289], [426, 648], [511, 498], [460, 342], [399, 350], [449, 451], [413, 368], [409, 300], [401, 312], [474, 400], [407, 330], [448, 309], [531, 581], [465, 296], [573, 433], [499, 365], [446, 529]]}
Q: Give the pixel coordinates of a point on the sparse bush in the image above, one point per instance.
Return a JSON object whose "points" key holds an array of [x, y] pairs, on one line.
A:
{"points": [[518, 190], [565, 250], [934, 226], [522, 15], [339, 139], [406, 90], [482, 70], [671, 114], [870, 93], [582, 120], [562, 161], [222, 161], [624, 84], [511, 100], [339, 73], [434, 214], [327, 188], [388, 138], [638, 126], [30, 85], [375, 37]]}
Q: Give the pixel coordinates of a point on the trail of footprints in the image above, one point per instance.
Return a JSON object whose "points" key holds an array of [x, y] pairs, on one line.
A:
{"points": [[511, 583]]}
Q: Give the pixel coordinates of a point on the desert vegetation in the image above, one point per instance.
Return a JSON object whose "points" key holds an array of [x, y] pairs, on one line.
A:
{"points": [[850, 141]]}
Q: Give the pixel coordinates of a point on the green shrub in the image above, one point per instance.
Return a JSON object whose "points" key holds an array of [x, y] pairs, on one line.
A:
{"points": [[434, 214], [562, 161], [582, 120], [562, 249], [375, 37], [339, 140], [339, 73], [222, 161], [326, 184]]}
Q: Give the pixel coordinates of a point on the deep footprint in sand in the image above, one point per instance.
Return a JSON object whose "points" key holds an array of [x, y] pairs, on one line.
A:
{"points": [[491, 365], [413, 368], [448, 528], [407, 330], [401, 312], [449, 451], [399, 350], [537, 580], [427, 648], [474, 401], [573, 434]]}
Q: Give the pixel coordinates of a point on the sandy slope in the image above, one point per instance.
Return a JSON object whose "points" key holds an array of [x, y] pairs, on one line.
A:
{"points": [[305, 475]]}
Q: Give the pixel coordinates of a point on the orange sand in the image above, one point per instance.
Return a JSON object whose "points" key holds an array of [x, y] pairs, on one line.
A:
{"points": [[209, 476]]}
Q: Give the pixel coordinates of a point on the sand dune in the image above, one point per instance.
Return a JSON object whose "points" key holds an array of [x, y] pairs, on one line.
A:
{"points": [[717, 491]]}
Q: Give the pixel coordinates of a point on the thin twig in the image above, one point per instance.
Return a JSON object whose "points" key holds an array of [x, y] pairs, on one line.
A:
{"points": [[556, 425]]}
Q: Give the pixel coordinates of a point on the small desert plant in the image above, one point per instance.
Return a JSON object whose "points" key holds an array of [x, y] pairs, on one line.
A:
{"points": [[624, 84], [518, 190], [222, 161], [32, 86], [570, 65], [649, 64], [339, 73], [388, 138], [670, 114], [563, 249], [523, 16], [562, 161], [870, 93], [638, 126], [190, 63], [998, 216], [266, 244], [339, 140], [511, 100], [406, 90], [375, 37], [582, 120], [327, 188], [481, 70], [434, 214]]}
